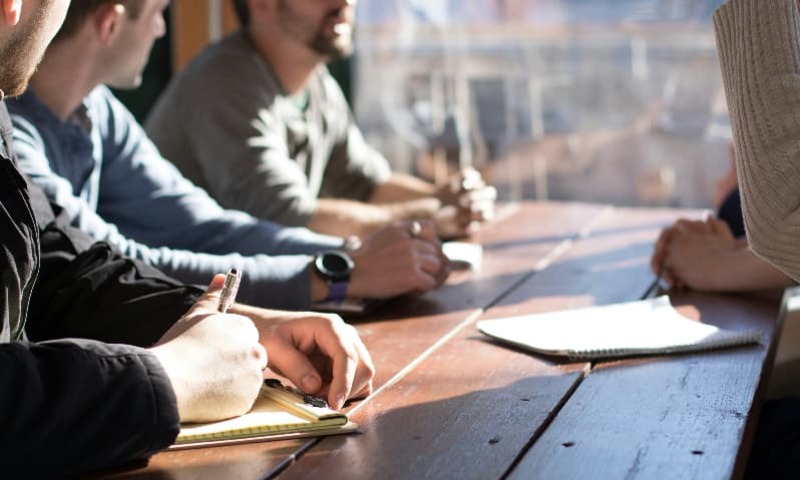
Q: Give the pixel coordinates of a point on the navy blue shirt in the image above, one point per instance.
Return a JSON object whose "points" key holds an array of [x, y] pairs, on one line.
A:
{"points": [[115, 185]]}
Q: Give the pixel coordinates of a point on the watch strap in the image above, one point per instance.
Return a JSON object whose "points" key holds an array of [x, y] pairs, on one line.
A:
{"points": [[337, 291]]}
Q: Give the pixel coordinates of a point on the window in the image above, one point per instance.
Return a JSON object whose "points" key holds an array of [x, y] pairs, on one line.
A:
{"points": [[615, 101]]}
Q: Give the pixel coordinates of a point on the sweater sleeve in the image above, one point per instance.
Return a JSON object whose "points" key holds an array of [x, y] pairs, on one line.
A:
{"points": [[758, 48], [74, 406], [275, 260]]}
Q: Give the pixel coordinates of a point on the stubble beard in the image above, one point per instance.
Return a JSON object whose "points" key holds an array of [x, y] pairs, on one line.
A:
{"points": [[328, 47], [21, 54], [338, 47]]}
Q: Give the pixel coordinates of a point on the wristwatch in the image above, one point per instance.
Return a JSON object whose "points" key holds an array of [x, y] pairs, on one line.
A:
{"points": [[334, 266]]}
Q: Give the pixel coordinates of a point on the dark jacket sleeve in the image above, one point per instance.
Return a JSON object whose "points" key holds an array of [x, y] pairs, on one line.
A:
{"points": [[90, 290], [79, 405]]}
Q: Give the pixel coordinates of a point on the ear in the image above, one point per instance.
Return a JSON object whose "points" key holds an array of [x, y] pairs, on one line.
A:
{"points": [[12, 9], [108, 22]]}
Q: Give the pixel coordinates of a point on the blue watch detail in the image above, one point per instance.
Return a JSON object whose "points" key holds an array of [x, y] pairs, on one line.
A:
{"points": [[337, 291]]}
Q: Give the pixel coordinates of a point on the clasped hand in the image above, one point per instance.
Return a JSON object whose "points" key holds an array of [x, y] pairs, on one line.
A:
{"points": [[466, 201]]}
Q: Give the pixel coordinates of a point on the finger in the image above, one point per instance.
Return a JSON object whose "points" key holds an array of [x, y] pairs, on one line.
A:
{"points": [[659, 251], [444, 272], [475, 212], [362, 383], [692, 226], [430, 263], [261, 356], [209, 300], [344, 373], [421, 246], [428, 232], [720, 227], [668, 277], [295, 365], [482, 194]]}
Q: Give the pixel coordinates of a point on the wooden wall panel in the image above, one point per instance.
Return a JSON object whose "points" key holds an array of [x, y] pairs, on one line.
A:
{"points": [[191, 27]]}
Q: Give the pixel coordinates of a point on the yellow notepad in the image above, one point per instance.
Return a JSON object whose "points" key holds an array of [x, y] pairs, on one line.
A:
{"points": [[647, 327], [279, 413]]}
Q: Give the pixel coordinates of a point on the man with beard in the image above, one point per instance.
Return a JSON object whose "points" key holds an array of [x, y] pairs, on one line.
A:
{"points": [[71, 402], [86, 151], [259, 122]]}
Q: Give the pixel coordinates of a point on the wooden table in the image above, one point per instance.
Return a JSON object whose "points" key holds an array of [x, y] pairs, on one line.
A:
{"points": [[451, 404]]}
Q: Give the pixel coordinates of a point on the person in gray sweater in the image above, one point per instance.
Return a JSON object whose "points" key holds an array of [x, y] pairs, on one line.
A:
{"points": [[758, 49], [280, 142]]}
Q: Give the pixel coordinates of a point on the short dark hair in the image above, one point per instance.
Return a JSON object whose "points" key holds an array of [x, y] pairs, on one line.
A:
{"points": [[81, 9], [242, 11]]}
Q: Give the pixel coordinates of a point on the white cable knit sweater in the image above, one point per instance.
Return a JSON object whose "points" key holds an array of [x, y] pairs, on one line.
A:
{"points": [[759, 49]]}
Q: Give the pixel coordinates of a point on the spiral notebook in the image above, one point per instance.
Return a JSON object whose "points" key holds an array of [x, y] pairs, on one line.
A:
{"points": [[647, 327], [279, 413]]}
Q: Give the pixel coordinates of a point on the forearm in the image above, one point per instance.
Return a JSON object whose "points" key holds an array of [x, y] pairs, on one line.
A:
{"points": [[400, 188], [97, 293], [744, 271], [279, 281], [347, 217], [757, 43]]}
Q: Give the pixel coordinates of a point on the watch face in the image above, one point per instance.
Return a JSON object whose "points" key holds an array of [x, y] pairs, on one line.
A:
{"points": [[334, 265]]}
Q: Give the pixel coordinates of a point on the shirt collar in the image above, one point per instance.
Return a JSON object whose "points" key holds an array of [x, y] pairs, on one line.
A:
{"points": [[80, 117]]}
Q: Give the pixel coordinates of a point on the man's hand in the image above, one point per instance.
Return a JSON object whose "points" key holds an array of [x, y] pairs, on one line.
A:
{"points": [[395, 260], [695, 254], [214, 361], [466, 201], [317, 352]]}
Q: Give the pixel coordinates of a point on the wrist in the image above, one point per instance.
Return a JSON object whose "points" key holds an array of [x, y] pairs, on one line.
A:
{"points": [[334, 268], [319, 287]]}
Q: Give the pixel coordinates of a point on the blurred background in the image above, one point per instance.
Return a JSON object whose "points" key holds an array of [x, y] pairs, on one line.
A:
{"points": [[613, 101]]}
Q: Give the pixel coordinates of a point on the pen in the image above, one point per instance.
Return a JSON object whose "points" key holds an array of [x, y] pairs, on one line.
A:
{"points": [[229, 290]]}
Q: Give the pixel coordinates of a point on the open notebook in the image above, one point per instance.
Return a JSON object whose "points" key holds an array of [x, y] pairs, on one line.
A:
{"points": [[645, 327], [280, 412]]}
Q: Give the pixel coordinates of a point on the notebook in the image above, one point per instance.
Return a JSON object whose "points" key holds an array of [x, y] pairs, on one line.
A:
{"points": [[280, 412], [646, 327]]}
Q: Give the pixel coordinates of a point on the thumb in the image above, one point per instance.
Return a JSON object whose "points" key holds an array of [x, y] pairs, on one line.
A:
{"points": [[209, 300], [720, 227]]}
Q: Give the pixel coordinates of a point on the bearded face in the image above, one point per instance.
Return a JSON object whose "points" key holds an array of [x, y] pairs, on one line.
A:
{"points": [[326, 32], [24, 45]]}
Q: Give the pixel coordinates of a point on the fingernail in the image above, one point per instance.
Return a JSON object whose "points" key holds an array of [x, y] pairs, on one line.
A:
{"points": [[309, 383], [340, 400]]}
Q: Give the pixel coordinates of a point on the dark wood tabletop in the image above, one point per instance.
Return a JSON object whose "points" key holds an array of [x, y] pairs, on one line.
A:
{"points": [[449, 403]]}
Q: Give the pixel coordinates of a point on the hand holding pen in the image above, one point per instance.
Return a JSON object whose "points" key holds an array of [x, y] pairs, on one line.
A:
{"points": [[319, 353], [214, 361]]}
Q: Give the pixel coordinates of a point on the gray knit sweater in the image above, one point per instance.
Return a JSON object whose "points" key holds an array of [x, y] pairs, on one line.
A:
{"points": [[759, 49]]}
